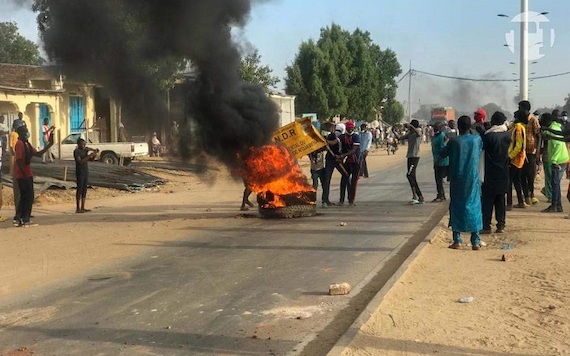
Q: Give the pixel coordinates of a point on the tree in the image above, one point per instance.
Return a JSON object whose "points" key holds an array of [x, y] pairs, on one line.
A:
{"points": [[393, 112], [16, 49], [252, 71], [342, 73]]}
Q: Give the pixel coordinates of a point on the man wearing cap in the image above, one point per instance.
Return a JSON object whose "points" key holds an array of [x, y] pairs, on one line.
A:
{"points": [[350, 154], [479, 117]]}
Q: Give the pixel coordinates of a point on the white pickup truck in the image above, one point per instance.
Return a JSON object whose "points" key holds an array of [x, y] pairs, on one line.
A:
{"points": [[109, 152]]}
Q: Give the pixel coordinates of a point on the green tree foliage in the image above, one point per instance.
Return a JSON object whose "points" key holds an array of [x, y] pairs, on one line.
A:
{"points": [[342, 73], [393, 112], [252, 71], [16, 49], [162, 69]]}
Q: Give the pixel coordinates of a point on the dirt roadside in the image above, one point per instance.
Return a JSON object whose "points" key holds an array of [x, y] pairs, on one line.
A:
{"points": [[66, 244], [520, 306]]}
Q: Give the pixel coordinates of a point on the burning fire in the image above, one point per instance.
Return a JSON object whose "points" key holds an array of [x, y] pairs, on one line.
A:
{"points": [[271, 172]]}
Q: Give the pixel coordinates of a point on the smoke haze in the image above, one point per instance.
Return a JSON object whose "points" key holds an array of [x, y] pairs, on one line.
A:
{"points": [[90, 41]]}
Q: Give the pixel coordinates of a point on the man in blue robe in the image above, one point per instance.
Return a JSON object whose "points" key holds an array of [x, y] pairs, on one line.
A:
{"points": [[465, 213]]}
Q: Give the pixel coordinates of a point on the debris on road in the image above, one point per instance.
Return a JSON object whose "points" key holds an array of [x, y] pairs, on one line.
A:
{"points": [[342, 224], [339, 289], [466, 300]]}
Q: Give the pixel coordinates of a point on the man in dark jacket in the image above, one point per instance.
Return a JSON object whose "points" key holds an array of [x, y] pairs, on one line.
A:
{"points": [[496, 143]]}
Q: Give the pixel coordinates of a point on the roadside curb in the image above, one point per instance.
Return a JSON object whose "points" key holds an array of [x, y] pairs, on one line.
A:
{"points": [[371, 308]]}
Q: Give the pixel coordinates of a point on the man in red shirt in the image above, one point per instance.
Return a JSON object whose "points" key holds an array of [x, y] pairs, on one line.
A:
{"points": [[24, 152]]}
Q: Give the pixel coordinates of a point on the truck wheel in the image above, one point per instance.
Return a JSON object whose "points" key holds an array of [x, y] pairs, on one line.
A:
{"points": [[109, 158], [127, 162]]}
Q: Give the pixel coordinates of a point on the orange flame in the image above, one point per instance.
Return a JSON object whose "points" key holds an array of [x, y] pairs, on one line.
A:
{"points": [[270, 171]]}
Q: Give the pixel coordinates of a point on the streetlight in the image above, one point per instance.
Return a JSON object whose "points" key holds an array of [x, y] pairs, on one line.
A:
{"points": [[524, 47]]}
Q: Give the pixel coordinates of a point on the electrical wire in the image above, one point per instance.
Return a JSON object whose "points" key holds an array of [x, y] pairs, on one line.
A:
{"points": [[482, 79]]}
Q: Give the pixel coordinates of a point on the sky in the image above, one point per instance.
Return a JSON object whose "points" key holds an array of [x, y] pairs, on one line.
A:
{"points": [[450, 37]]}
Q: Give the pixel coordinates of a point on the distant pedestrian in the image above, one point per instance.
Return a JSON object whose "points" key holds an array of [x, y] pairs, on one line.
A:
{"points": [[47, 131], [452, 130], [480, 117], [440, 164], [465, 188], [82, 156], [542, 156], [365, 146], [350, 154], [496, 142], [517, 154], [24, 152], [414, 137], [4, 132]]}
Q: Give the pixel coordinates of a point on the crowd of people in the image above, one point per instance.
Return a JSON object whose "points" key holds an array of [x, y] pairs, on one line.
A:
{"points": [[21, 153]]}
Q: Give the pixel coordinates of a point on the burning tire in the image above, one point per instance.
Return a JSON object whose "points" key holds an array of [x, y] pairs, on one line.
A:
{"points": [[288, 212]]}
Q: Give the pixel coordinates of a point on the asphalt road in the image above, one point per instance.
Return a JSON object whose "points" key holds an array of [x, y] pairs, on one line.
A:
{"points": [[244, 286]]}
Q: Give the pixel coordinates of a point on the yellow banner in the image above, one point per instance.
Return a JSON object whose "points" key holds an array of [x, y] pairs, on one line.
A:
{"points": [[300, 138]]}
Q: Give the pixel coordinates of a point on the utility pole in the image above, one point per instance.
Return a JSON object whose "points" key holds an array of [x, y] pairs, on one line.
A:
{"points": [[410, 93], [524, 51]]}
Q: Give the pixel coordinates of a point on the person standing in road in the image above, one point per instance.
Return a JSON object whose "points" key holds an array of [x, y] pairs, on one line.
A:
{"points": [[365, 146], [465, 188], [496, 142], [318, 172], [440, 164], [47, 131], [517, 154], [542, 156], [331, 162], [558, 158], [82, 156], [23, 172], [350, 153], [528, 173], [414, 138], [19, 122]]}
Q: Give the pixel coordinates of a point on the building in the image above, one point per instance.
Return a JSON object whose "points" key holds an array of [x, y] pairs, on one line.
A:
{"points": [[42, 92], [286, 107]]}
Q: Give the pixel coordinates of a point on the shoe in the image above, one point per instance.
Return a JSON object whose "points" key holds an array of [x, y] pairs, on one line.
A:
{"points": [[327, 203], [550, 209], [476, 247], [250, 204], [414, 202], [527, 202], [244, 208], [340, 203], [509, 208], [437, 200], [485, 232], [559, 209], [500, 230], [79, 211], [29, 224], [89, 210], [455, 246], [534, 201], [16, 222], [421, 200], [520, 206], [351, 205]]}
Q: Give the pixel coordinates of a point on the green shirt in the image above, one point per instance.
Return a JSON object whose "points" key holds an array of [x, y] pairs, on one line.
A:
{"points": [[557, 151]]}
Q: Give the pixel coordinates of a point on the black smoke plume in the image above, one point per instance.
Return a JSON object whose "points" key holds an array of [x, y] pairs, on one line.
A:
{"points": [[122, 43]]}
